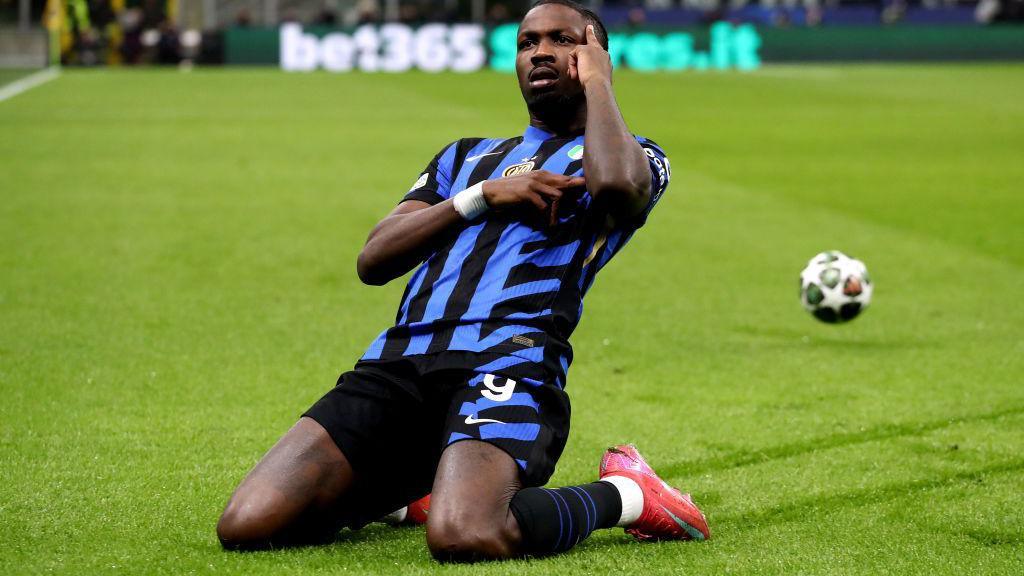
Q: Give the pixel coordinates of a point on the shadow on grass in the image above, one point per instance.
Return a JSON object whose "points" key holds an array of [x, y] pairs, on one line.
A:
{"points": [[827, 442], [376, 534], [806, 339], [373, 536], [369, 543], [994, 537], [802, 509]]}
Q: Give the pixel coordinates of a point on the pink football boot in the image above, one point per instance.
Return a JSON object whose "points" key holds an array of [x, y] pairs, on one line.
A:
{"points": [[667, 513], [413, 514], [418, 511]]}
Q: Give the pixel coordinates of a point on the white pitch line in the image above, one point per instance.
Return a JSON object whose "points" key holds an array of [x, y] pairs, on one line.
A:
{"points": [[27, 83]]}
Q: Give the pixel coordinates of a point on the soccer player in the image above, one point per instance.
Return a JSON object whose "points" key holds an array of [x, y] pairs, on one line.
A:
{"points": [[463, 398]]}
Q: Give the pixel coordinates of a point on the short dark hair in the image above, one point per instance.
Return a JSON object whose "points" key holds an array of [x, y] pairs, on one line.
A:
{"points": [[589, 15]]}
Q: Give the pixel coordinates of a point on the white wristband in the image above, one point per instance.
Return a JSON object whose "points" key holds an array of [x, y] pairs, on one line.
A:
{"points": [[470, 202]]}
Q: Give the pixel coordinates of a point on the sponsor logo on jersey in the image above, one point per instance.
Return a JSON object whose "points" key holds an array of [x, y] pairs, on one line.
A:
{"points": [[663, 169], [517, 169], [523, 341]]}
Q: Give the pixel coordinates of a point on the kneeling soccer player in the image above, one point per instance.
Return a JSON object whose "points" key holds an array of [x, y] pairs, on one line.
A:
{"points": [[463, 397]]}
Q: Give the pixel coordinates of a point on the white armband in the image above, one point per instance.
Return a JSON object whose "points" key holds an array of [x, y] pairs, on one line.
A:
{"points": [[470, 202]]}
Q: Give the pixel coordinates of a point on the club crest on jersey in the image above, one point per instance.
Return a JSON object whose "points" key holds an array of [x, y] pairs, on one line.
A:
{"points": [[517, 169]]}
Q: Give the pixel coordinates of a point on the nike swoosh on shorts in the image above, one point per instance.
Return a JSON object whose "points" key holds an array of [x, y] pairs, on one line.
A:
{"points": [[472, 419]]}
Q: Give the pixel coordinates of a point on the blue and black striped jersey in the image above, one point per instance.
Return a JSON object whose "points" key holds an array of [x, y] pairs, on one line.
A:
{"points": [[500, 294]]}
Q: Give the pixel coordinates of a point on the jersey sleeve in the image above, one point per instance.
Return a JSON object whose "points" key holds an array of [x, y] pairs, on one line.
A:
{"points": [[435, 182], [661, 173]]}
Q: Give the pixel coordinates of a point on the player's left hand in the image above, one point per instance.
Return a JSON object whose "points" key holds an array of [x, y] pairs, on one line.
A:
{"points": [[589, 62]]}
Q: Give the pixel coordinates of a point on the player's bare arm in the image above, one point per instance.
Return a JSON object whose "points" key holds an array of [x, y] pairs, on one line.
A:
{"points": [[404, 237], [615, 164]]}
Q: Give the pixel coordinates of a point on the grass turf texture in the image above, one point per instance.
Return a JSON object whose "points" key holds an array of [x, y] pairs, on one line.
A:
{"points": [[178, 286], [8, 75]]}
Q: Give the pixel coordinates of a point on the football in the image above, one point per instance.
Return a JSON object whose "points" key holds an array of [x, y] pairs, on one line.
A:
{"points": [[835, 287]]}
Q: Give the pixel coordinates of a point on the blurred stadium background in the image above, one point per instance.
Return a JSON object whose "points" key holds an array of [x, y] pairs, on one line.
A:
{"points": [[650, 34]]}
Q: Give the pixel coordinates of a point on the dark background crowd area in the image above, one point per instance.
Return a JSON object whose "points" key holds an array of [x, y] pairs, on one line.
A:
{"points": [[113, 32]]}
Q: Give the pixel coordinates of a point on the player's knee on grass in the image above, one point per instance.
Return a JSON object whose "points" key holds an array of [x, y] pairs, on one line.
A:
{"points": [[469, 518], [451, 539], [290, 497], [258, 522], [247, 523], [236, 532]]}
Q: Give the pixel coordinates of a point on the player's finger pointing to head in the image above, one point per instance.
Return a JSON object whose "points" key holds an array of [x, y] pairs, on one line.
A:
{"points": [[591, 35]]}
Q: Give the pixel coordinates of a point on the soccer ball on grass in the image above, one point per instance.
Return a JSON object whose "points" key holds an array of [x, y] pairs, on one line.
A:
{"points": [[835, 287]]}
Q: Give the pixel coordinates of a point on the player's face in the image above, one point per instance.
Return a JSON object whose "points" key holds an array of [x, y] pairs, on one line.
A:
{"points": [[547, 35]]}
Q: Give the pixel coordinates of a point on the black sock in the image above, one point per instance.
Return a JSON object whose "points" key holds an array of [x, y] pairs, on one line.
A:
{"points": [[555, 520]]}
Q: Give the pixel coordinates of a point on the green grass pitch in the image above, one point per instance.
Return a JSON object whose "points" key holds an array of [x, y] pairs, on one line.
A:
{"points": [[177, 284]]}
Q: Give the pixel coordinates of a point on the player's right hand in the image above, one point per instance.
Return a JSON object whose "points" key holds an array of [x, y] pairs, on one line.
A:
{"points": [[539, 190]]}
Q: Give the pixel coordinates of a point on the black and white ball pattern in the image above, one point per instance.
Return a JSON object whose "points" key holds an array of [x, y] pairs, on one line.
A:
{"points": [[835, 287]]}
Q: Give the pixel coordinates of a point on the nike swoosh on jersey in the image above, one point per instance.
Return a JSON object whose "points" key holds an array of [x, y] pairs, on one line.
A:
{"points": [[479, 156], [472, 419]]}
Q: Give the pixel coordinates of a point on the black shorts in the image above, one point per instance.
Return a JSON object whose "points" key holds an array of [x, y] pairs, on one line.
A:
{"points": [[392, 420]]}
